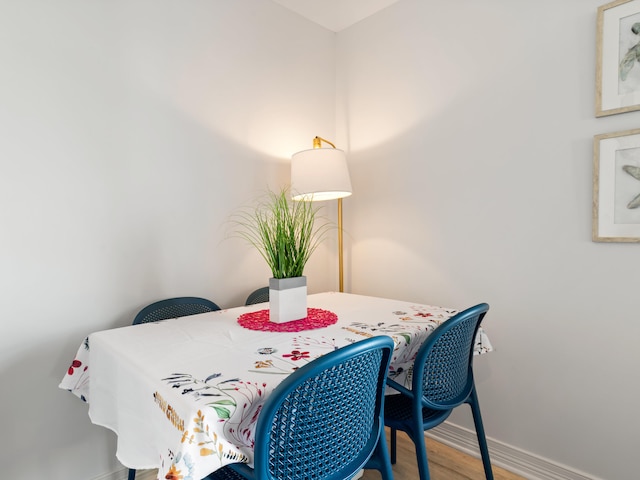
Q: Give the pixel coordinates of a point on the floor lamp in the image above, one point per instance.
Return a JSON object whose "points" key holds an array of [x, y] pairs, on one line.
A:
{"points": [[321, 174]]}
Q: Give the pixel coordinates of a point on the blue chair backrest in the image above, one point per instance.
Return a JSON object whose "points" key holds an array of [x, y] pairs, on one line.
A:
{"points": [[323, 421], [260, 295], [443, 366], [174, 308]]}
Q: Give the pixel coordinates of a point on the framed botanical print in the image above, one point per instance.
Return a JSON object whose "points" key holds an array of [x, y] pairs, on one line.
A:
{"points": [[616, 187], [618, 58]]}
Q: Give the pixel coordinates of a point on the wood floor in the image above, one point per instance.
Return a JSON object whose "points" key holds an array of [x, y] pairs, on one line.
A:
{"points": [[445, 463]]}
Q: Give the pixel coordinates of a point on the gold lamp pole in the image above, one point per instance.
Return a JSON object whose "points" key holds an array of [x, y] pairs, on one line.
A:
{"points": [[322, 174]]}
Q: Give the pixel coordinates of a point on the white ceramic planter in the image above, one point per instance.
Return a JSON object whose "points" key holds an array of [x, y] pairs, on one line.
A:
{"points": [[287, 299]]}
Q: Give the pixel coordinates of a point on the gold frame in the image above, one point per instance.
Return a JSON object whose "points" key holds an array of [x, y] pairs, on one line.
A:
{"points": [[605, 185], [609, 100]]}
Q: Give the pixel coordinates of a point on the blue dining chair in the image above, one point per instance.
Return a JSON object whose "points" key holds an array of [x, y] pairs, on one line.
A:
{"points": [[324, 421], [172, 308], [442, 379], [260, 295]]}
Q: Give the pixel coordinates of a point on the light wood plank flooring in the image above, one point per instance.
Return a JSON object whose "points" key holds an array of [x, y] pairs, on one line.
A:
{"points": [[445, 463]]}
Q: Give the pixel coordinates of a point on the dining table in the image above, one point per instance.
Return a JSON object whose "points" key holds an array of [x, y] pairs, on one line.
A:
{"points": [[183, 395]]}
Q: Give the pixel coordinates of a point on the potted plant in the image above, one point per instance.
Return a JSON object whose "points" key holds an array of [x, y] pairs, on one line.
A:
{"points": [[285, 233]]}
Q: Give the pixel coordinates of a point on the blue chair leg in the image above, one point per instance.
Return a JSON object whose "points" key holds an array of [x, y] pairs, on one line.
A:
{"points": [[421, 450], [393, 445], [482, 440], [132, 474], [380, 458]]}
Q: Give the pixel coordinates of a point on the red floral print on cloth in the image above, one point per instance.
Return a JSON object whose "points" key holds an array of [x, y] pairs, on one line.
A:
{"points": [[296, 355], [75, 364]]}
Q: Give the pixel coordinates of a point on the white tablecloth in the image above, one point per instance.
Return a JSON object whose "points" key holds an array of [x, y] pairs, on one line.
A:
{"points": [[184, 395]]}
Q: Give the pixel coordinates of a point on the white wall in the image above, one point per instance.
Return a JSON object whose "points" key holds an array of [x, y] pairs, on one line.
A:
{"points": [[469, 126], [129, 131]]}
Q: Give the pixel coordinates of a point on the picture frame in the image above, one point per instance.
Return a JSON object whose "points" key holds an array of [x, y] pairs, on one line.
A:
{"points": [[616, 187], [618, 58]]}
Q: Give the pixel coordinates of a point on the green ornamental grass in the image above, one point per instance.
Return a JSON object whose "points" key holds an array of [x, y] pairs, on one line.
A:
{"points": [[285, 232]]}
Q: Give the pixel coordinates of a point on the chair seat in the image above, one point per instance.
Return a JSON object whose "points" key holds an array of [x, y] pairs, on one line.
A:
{"points": [[398, 410], [225, 473]]}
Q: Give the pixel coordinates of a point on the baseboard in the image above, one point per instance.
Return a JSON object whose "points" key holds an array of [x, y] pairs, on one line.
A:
{"points": [[517, 461], [119, 475]]}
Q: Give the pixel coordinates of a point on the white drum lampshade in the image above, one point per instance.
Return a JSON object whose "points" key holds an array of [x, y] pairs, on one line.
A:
{"points": [[320, 174]]}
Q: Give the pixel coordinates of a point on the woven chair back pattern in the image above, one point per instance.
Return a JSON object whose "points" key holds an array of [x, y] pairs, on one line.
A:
{"points": [[260, 295], [446, 376], [174, 308], [328, 425]]}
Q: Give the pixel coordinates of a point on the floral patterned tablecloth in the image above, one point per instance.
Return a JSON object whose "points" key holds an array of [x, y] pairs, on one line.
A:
{"points": [[184, 395]]}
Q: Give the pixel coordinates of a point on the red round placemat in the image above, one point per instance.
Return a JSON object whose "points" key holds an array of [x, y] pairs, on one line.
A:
{"points": [[316, 318]]}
